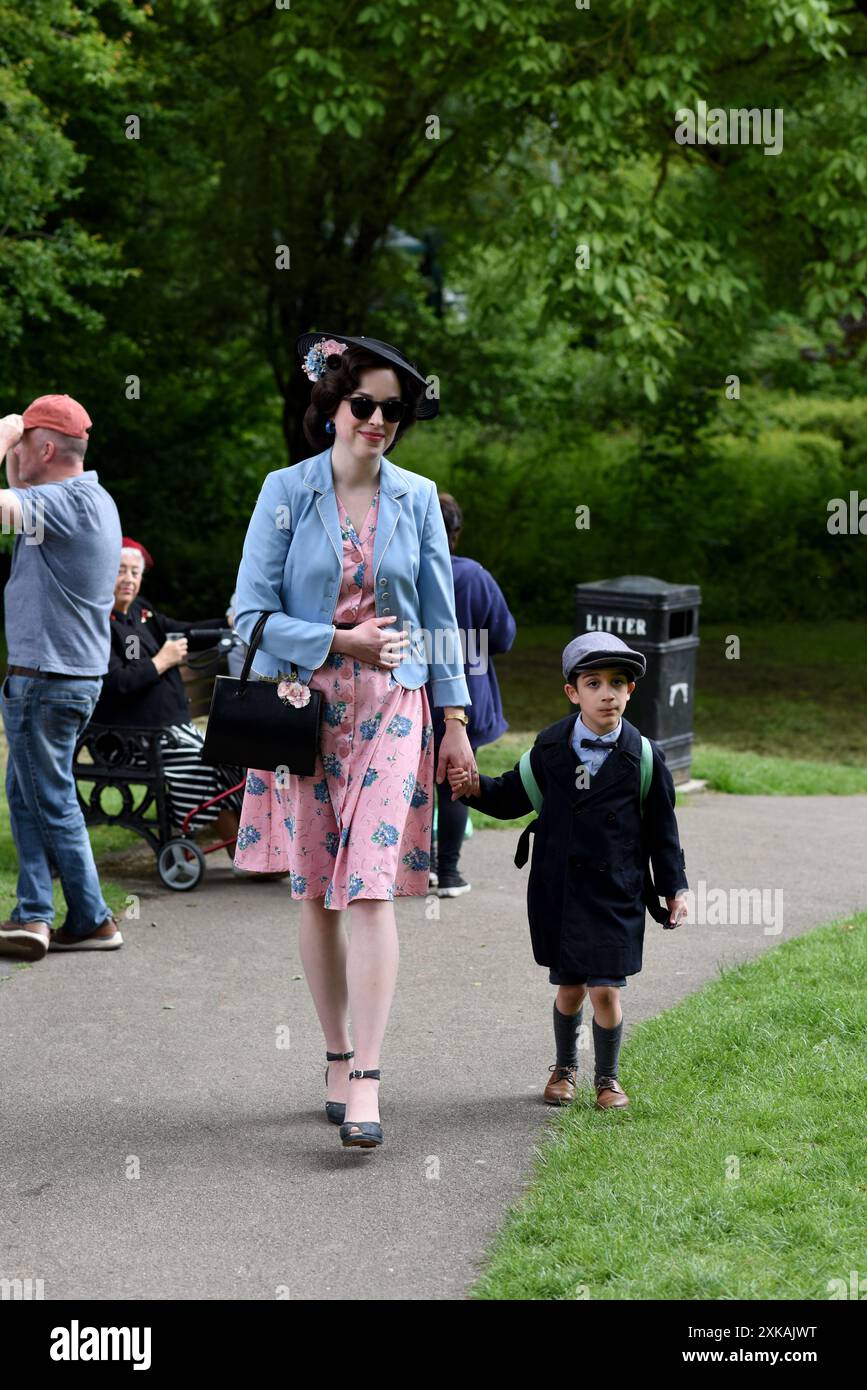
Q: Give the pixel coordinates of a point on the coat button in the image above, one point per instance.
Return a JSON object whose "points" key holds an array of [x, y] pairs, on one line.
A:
{"points": [[382, 583], [610, 817]]}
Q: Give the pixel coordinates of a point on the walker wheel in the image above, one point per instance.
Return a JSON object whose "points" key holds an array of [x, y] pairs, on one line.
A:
{"points": [[181, 865]]}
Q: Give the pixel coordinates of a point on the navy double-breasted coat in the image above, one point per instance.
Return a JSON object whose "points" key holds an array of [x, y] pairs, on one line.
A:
{"points": [[590, 873]]}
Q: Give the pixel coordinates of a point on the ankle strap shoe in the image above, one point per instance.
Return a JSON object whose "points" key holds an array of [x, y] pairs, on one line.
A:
{"points": [[336, 1109], [362, 1134]]}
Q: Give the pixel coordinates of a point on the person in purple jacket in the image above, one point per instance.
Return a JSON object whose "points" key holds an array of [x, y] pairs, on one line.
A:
{"points": [[487, 628]]}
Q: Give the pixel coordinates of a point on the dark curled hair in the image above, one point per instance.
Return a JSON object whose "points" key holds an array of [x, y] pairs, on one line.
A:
{"points": [[452, 516], [340, 379]]}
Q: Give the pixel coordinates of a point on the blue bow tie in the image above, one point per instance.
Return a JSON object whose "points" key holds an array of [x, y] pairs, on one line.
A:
{"points": [[597, 743]]}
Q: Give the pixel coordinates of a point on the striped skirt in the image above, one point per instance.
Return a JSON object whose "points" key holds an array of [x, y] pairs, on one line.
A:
{"points": [[190, 780]]}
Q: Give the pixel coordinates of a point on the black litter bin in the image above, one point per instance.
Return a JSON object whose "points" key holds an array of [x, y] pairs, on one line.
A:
{"points": [[660, 620]]}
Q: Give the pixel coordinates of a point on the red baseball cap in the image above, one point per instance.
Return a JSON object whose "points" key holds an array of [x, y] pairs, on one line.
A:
{"points": [[59, 413]]}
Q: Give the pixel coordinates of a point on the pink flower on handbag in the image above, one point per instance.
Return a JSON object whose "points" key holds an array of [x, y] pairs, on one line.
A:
{"points": [[294, 693]]}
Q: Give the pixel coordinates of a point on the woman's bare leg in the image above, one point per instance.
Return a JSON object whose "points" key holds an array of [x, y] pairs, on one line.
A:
{"points": [[371, 975], [323, 946], [226, 826]]}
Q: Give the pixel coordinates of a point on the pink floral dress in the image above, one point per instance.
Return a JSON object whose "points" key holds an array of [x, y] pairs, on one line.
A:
{"points": [[360, 826]]}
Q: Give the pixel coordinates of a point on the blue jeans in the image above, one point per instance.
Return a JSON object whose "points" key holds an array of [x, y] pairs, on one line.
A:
{"points": [[43, 720]]}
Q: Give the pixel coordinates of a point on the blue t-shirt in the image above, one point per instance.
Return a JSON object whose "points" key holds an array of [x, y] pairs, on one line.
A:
{"points": [[59, 596]]}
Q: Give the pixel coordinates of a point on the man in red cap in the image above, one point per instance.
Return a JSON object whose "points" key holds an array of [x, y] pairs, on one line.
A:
{"points": [[57, 601]]}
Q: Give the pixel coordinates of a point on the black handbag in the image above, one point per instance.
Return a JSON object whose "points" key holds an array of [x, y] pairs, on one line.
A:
{"points": [[251, 726]]}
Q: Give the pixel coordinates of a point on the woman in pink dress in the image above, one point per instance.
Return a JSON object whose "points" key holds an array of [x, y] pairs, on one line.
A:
{"points": [[356, 834]]}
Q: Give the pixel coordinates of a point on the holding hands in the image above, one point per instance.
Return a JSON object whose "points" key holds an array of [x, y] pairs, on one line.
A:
{"points": [[464, 783]]}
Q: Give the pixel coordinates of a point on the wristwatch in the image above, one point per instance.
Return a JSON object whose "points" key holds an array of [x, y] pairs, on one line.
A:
{"points": [[462, 716]]}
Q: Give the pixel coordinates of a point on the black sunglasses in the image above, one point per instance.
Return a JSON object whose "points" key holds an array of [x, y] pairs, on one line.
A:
{"points": [[362, 407]]}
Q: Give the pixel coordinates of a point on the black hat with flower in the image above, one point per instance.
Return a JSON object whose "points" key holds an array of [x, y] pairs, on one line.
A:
{"points": [[315, 349]]}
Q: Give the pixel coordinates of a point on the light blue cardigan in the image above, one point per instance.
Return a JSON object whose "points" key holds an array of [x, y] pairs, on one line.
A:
{"points": [[292, 565]]}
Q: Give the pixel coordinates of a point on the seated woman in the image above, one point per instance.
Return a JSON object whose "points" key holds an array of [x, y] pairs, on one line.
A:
{"points": [[143, 686]]}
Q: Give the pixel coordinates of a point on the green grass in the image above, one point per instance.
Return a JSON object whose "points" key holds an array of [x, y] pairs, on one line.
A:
{"points": [[749, 774], [760, 1069], [795, 692]]}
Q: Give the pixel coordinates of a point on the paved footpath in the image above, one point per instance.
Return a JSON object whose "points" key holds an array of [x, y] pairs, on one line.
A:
{"points": [[162, 1059]]}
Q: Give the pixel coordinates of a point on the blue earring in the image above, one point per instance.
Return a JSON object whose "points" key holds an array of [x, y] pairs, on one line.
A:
{"points": [[329, 426]]}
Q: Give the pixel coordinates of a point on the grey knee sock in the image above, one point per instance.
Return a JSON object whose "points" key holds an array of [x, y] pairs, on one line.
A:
{"points": [[565, 1032], [606, 1048]]}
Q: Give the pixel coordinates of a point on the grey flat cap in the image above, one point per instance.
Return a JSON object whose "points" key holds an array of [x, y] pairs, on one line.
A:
{"points": [[593, 650]]}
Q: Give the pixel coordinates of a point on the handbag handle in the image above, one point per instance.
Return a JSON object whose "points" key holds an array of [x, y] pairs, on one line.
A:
{"points": [[255, 639]]}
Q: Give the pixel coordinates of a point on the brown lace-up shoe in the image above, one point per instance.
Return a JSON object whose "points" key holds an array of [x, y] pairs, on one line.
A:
{"points": [[610, 1095], [560, 1089], [24, 940], [105, 937]]}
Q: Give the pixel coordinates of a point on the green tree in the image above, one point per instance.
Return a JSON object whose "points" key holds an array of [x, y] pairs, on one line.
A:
{"points": [[55, 61], [509, 135]]}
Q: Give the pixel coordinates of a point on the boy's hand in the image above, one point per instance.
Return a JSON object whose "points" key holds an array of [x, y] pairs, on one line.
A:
{"points": [[463, 783], [678, 911]]}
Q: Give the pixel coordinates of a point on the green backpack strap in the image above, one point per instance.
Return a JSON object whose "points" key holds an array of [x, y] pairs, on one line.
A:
{"points": [[531, 786], [646, 769]]}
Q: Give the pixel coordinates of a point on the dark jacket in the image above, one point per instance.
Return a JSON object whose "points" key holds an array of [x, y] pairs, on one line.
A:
{"points": [[590, 874], [133, 691], [479, 607]]}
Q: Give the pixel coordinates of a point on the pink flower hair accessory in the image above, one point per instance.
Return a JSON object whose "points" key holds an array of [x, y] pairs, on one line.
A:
{"points": [[316, 361]]}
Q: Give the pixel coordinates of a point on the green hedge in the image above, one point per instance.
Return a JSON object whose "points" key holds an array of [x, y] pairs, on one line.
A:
{"points": [[742, 511]]}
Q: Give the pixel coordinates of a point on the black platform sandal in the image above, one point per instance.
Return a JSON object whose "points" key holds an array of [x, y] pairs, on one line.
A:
{"points": [[368, 1133], [336, 1109]]}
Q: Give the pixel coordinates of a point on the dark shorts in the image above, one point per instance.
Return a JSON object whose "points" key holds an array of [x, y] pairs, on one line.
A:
{"points": [[562, 977]]}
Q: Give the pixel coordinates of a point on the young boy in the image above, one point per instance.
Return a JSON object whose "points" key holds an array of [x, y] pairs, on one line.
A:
{"points": [[596, 837]]}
